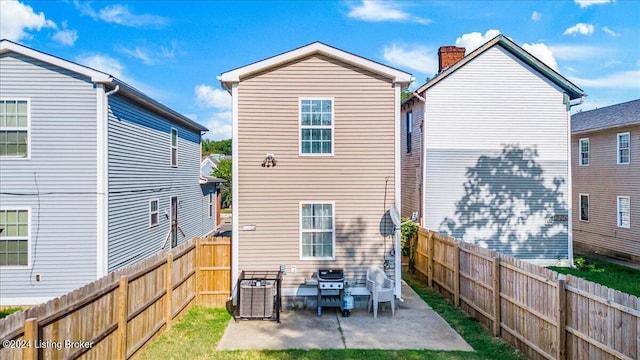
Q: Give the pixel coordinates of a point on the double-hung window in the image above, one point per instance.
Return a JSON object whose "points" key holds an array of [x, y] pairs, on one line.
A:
{"points": [[409, 130], [584, 207], [317, 231], [14, 238], [624, 212], [624, 144], [14, 128], [174, 147], [211, 198], [584, 152], [154, 218], [316, 126]]}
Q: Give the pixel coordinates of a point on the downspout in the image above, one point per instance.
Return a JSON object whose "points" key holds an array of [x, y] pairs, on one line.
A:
{"points": [[102, 183]]}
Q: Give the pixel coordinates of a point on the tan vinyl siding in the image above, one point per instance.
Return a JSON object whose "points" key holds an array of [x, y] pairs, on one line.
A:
{"points": [[411, 170], [604, 180], [354, 178]]}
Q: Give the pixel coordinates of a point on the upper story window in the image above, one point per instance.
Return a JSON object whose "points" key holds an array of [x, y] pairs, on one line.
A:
{"points": [[624, 212], [174, 147], [624, 144], [317, 234], [409, 130], [14, 238], [316, 126], [154, 218], [584, 152], [14, 128]]}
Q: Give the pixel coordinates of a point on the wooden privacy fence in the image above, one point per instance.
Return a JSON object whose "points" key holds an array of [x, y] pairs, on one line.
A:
{"points": [[543, 313], [113, 317]]}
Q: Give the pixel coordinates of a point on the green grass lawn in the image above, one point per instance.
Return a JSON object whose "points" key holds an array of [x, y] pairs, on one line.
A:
{"points": [[225, 211], [612, 275], [196, 335]]}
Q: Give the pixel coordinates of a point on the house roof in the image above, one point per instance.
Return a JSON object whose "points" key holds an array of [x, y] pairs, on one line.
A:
{"points": [[571, 89], [627, 113], [99, 77], [235, 75], [210, 179]]}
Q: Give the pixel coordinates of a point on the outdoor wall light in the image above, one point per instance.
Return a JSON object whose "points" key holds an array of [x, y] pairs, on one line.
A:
{"points": [[269, 161]]}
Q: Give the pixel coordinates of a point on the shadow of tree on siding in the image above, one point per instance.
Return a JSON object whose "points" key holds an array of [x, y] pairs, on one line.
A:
{"points": [[508, 208]]}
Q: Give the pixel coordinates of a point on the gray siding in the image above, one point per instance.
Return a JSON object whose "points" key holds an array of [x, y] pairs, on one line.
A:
{"points": [[491, 104], [357, 178], [411, 169], [140, 170], [603, 180], [62, 169]]}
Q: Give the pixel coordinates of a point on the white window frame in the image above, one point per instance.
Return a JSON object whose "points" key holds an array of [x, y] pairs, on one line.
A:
{"points": [[27, 129], [618, 156], [580, 152], [580, 207], [28, 266], [333, 229], [619, 215], [409, 137], [332, 127], [172, 147], [211, 203], [157, 212]]}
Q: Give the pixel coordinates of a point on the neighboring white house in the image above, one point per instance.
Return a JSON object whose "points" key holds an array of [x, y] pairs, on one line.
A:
{"points": [[210, 162], [94, 176], [486, 152]]}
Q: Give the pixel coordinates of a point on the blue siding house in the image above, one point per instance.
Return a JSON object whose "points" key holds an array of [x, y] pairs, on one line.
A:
{"points": [[94, 176]]}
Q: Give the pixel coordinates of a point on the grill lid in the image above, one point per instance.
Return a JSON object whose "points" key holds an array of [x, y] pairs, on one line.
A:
{"points": [[331, 274]]}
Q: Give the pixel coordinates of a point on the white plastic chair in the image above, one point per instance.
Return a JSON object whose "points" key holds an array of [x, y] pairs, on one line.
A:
{"points": [[381, 289]]}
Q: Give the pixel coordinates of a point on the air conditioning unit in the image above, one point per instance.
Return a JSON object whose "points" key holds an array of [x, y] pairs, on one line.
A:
{"points": [[257, 298]]}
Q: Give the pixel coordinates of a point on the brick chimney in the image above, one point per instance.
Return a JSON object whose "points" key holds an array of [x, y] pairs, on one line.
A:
{"points": [[449, 55]]}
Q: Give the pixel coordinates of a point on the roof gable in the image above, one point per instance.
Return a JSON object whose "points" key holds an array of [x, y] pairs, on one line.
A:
{"points": [[236, 75], [571, 89]]}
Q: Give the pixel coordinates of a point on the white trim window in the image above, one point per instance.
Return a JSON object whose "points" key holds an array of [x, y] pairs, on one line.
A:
{"points": [[15, 237], [14, 129], [316, 126], [174, 147], [211, 198], [584, 207], [409, 130], [624, 146], [584, 152], [624, 212], [154, 213], [317, 230]]}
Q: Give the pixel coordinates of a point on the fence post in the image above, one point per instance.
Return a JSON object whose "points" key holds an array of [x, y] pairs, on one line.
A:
{"points": [[31, 338], [562, 320], [197, 273], [430, 259], [456, 275], [496, 296], [123, 312], [169, 295]]}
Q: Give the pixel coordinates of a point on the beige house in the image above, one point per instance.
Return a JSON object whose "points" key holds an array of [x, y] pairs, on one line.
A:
{"points": [[316, 165], [606, 180]]}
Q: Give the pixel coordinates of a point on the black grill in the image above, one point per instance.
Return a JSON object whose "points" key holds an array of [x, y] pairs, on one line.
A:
{"points": [[330, 286]]}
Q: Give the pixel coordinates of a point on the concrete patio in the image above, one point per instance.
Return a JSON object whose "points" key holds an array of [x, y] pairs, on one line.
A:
{"points": [[414, 326]]}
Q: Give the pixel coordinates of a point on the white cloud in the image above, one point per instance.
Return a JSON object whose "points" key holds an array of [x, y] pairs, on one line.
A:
{"points": [[219, 125], [103, 63], [120, 14], [623, 79], [543, 53], [610, 32], [474, 40], [16, 19], [580, 28], [378, 11], [577, 52], [212, 98], [536, 16], [587, 3], [66, 37], [414, 57], [150, 54]]}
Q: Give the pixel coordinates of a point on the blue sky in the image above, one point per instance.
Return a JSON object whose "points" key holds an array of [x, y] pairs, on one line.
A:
{"points": [[174, 50]]}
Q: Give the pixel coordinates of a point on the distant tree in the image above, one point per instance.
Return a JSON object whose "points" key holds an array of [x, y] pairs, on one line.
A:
{"points": [[216, 147], [223, 171], [405, 94]]}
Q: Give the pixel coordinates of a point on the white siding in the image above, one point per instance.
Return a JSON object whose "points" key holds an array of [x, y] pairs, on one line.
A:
{"points": [[62, 169], [491, 102]]}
